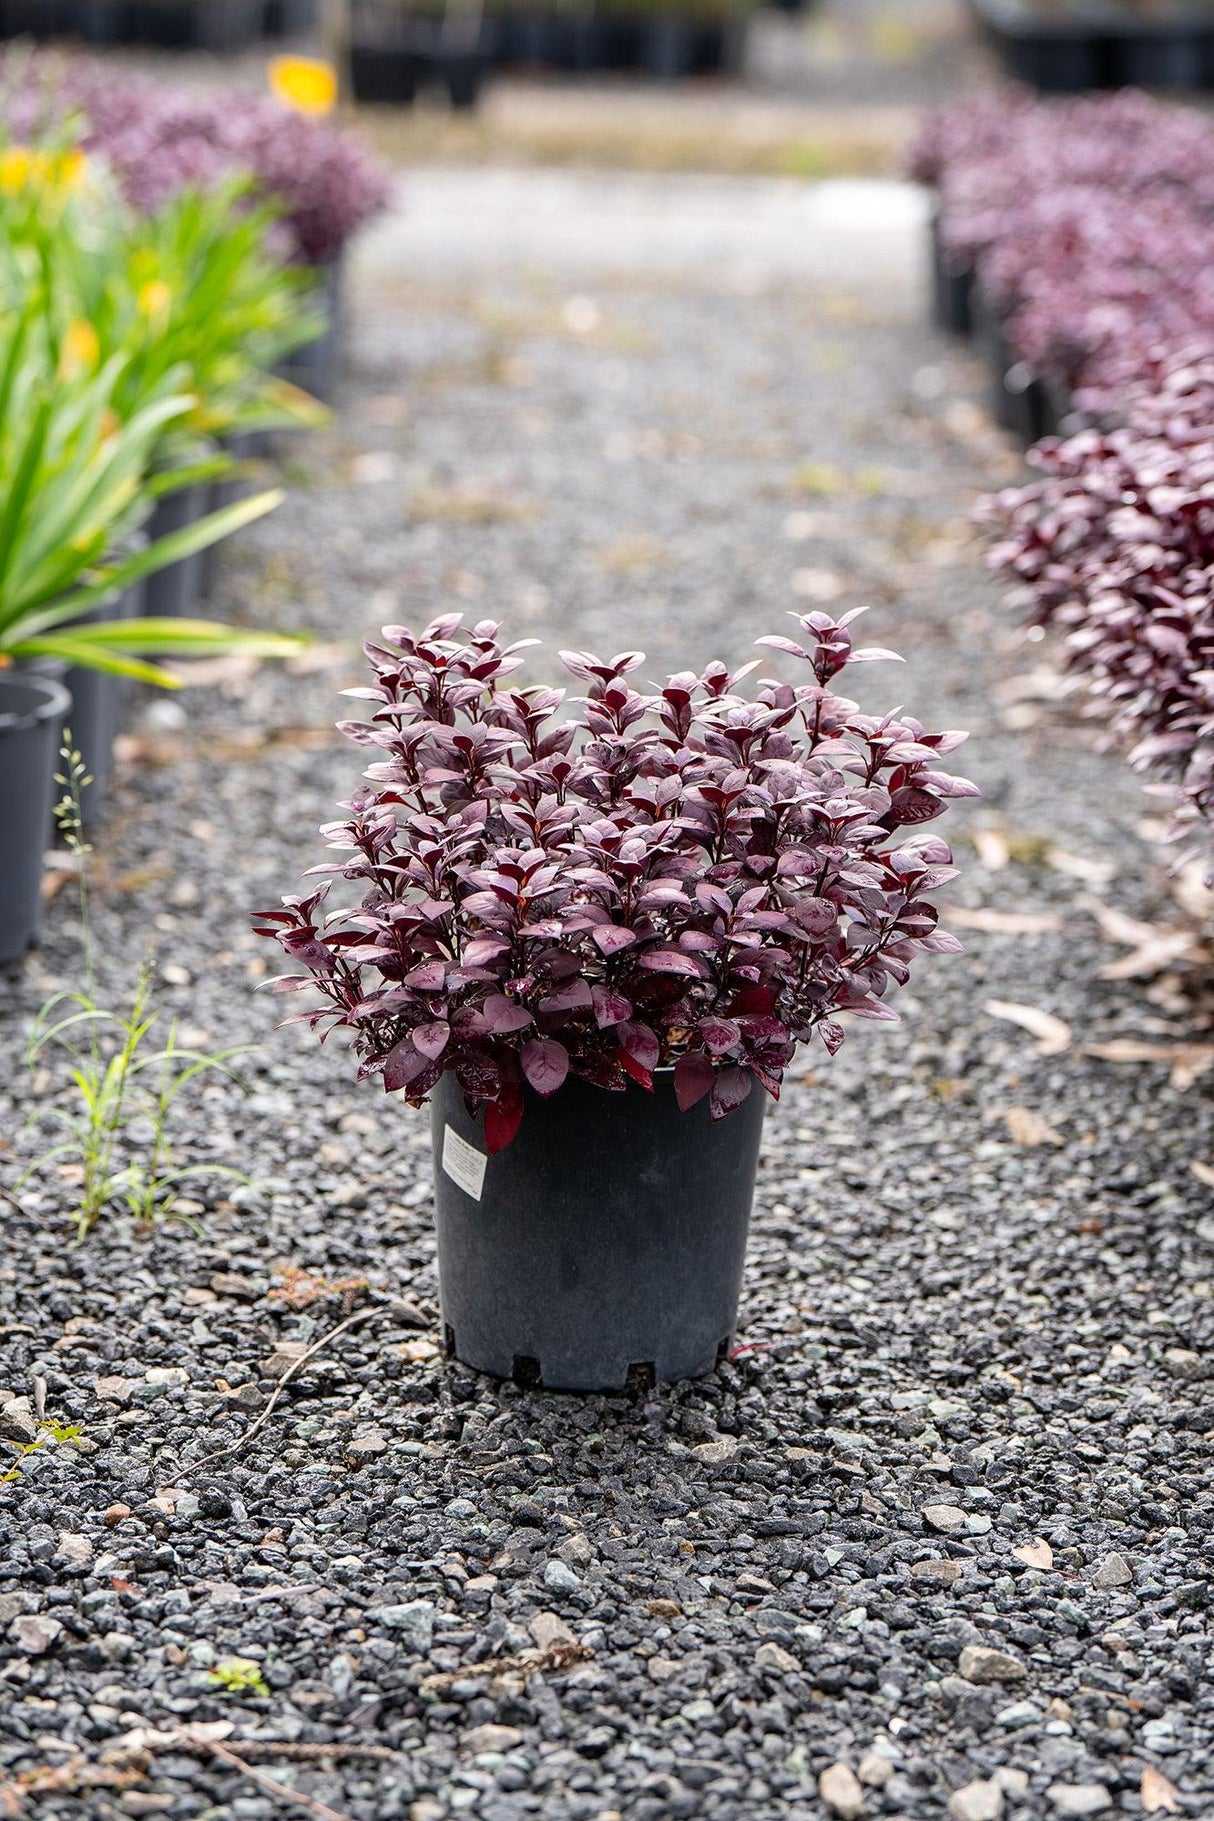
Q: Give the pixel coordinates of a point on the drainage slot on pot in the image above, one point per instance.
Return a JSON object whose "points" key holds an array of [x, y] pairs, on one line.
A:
{"points": [[526, 1372], [723, 1349], [449, 1340], [641, 1376]]}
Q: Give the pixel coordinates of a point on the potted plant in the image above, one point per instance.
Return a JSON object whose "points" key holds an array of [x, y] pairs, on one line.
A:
{"points": [[595, 943], [71, 502]]}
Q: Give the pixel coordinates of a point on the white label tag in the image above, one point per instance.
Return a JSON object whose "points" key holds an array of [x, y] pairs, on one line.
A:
{"points": [[464, 1164]]}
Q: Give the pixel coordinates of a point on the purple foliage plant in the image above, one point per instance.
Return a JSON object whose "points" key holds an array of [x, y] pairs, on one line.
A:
{"points": [[622, 882]]}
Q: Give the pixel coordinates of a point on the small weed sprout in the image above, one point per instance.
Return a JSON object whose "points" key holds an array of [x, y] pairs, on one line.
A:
{"points": [[117, 1074], [48, 1431], [238, 1676]]}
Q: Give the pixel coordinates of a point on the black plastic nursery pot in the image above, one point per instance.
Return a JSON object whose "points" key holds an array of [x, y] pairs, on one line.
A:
{"points": [[951, 286], [98, 703], [96, 21], [1161, 59], [384, 75], [316, 366], [288, 18], [670, 46], [211, 25], [1017, 397], [1100, 46], [604, 1247], [463, 72], [172, 593], [32, 712]]}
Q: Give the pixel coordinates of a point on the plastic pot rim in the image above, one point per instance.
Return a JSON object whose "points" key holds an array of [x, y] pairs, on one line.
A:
{"points": [[55, 702]]}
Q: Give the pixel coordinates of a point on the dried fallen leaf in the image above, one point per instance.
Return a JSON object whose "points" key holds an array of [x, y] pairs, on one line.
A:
{"points": [[1043, 684], [1076, 866], [992, 848], [1159, 1794], [1152, 957], [1003, 923], [1028, 1128], [1117, 926], [1189, 1061], [1191, 892], [1053, 1034], [1036, 1554]]}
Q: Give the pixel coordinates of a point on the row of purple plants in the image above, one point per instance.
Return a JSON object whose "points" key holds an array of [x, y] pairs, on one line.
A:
{"points": [[159, 140], [1087, 228]]}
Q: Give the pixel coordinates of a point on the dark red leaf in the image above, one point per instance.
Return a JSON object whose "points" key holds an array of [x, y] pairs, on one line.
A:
{"points": [[502, 1118], [636, 1069], [693, 1078], [729, 1090]]}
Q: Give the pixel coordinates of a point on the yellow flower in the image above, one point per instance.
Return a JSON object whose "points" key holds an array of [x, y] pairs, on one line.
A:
{"points": [[305, 84], [81, 349], [16, 166], [70, 170], [155, 301]]}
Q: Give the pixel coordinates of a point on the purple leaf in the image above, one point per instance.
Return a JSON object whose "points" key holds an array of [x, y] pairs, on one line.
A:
{"points": [[545, 1064], [639, 1042]]}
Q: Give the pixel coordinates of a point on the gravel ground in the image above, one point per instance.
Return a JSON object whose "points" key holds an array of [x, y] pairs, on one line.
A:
{"points": [[942, 1523]]}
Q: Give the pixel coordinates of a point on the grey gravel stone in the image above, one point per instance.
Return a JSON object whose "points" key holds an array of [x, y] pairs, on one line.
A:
{"points": [[980, 1663], [560, 1578], [840, 1789], [981, 1800], [1114, 1571], [1079, 1798]]}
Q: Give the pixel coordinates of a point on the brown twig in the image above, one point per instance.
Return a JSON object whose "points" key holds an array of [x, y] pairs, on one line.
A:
{"points": [[528, 1663], [256, 1428], [316, 1754], [271, 1785]]}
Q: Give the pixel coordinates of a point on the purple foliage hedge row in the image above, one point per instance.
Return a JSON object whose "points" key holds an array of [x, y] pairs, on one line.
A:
{"points": [[1091, 224], [159, 140]]}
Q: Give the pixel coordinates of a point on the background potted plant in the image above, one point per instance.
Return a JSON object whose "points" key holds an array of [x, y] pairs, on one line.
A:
{"points": [[72, 500], [590, 940]]}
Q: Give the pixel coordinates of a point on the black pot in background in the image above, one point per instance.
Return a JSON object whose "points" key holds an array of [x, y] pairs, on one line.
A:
{"points": [[576, 42], [96, 21], [950, 288], [172, 593], [30, 18], [604, 1247], [669, 46], [98, 704], [1016, 396], [98, 701], [463, 72], [210, 25], [315, 367], [384, 75], [288, 18], [1160, 58], [32, 713], [226, 25], [243, 446]]}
